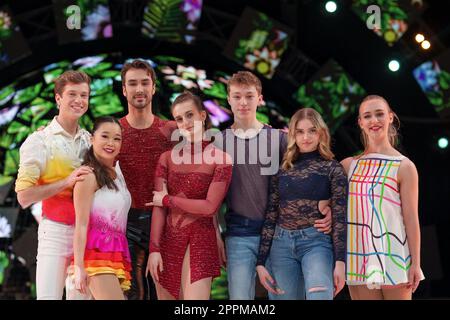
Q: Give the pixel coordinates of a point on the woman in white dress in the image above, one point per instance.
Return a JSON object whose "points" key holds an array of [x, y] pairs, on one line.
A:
{"points": [[101, 264], [383, 234]]}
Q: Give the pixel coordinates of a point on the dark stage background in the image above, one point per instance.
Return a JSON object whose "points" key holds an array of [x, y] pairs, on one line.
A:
{"points": [[304, 56]]}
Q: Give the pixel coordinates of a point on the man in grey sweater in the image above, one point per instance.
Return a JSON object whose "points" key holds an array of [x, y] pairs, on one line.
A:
{"points": [[257, 150]]}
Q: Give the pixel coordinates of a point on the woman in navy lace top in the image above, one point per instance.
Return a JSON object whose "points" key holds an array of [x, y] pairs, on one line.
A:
{"points": [[302, 259]]}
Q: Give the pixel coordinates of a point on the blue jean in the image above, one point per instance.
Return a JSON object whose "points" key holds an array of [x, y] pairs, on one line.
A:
{"points": [[302, 264], [241, 266]]}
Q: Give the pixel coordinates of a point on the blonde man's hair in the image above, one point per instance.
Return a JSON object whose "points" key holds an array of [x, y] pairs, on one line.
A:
{"points": [[245, 78], [70, 76]]}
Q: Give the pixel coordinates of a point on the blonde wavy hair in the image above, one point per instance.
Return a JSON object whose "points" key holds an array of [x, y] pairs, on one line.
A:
{"points": [[293, 152]]}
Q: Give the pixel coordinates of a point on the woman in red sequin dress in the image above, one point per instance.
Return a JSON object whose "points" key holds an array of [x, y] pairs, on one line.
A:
{"points": [[191, 181]]}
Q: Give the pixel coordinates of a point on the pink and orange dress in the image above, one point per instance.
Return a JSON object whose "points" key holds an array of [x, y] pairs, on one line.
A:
{"points": [[106, 243]]}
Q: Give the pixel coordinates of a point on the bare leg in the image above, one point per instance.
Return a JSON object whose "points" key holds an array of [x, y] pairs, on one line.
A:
{"points": [[363, 293], [199, 290], [162, 293], [106, 287], [397, 293]]}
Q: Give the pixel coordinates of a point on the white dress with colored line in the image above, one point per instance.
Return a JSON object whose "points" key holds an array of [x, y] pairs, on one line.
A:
{"points": [[377, 247]]}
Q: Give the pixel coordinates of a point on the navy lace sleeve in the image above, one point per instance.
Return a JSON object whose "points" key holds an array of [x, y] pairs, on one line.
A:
{"points": [[339, 189], [270, 222]]}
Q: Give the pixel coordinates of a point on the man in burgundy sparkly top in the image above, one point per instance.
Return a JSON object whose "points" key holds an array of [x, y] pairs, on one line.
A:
{"points": [[145, 138]]}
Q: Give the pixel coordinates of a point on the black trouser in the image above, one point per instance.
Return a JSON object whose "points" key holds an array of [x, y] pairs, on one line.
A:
{"points": [[138, 235]]}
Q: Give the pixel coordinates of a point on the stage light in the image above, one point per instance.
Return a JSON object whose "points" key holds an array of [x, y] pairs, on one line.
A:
{"points": [[419, 37], [331, 6], [394, 65], [390, 36], [426, 44], [443, 143]]}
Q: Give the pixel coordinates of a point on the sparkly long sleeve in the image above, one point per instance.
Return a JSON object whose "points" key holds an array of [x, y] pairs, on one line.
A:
{"points": [[158, 213], [270, 222], [216, 193]]}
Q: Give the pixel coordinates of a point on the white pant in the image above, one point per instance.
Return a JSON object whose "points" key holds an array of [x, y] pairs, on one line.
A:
{"points": [[55, 248]]}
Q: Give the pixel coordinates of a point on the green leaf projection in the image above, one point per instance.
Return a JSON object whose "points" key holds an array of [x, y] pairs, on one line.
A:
{"points": [[170, 20], [394, 17], [28, 103], [25, 107], [219, 287], [4, 263], [258, 42], [434, 80], [332, 93], [178, 76]]}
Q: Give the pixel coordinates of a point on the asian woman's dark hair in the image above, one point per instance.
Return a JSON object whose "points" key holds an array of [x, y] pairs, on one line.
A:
{"points": [[101, 172]]}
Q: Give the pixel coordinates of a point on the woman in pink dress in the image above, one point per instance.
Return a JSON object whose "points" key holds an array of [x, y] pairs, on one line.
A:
{"points": [[191, 181], [101, 262]]}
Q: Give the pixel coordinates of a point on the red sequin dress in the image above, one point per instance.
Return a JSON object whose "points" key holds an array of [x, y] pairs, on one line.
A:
{"points": [[196, 189]]}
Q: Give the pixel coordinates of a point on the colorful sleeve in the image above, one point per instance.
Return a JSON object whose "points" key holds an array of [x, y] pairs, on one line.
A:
{"points": [[32, 162]]}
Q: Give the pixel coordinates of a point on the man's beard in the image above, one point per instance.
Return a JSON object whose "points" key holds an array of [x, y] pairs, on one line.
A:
{"points": [[141, 105]]}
